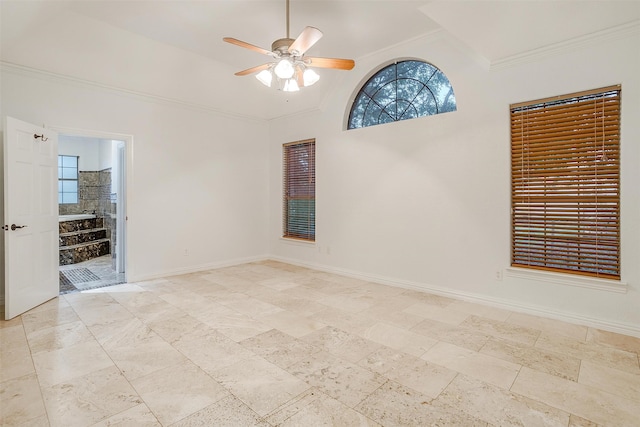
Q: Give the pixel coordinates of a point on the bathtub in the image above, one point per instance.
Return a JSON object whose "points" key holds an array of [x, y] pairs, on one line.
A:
{"points": [[74, 217]]}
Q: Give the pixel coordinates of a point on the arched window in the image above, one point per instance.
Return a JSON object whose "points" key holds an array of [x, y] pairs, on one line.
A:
{"points": [[403, 90]]}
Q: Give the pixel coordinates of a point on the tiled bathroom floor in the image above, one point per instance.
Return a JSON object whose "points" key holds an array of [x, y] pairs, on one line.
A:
{"points": [[91, 274], [273, 344]]}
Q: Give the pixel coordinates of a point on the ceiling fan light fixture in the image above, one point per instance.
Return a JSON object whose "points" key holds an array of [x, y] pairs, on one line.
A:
{"points": [[290, 85], [310, 77], [265, 77], [284, 69]]}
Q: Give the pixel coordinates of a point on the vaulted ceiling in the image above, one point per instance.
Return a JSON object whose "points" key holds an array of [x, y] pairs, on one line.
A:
{"points": [[173, 48]]}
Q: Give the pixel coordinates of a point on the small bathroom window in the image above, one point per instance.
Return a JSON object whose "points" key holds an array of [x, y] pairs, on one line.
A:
{"points": [[67, 179]]}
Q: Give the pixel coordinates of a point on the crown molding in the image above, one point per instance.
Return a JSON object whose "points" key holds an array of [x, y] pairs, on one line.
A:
{"points": [[9, 67], [629, 29]]}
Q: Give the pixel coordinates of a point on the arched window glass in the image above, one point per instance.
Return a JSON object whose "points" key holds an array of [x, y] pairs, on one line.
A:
{"points": [[401, 91]]}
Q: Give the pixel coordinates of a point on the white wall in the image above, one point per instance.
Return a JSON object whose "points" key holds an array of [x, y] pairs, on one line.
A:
{"points": [[425, 203], [197, 181]]}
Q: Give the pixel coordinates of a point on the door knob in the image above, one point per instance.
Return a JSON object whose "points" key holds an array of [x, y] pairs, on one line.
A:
{"points": [[15, 227]]}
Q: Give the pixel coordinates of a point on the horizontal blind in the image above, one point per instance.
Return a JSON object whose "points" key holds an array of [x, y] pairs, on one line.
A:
{"points": [[565, 184], [299, 201]]}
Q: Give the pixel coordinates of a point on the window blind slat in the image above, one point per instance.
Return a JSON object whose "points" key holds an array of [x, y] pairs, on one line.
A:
{"points": [[565, 181], [299, 190]]}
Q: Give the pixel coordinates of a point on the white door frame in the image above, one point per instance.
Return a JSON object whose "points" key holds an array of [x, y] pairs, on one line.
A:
{"points": [[128, 184]]}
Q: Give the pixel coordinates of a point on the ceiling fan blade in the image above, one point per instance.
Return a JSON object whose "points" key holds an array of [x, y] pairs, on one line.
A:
{"points": [[252, 70], [307, 38], [337, 63], [247, 45]]}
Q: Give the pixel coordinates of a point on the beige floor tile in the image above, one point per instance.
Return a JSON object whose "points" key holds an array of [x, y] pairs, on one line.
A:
{"points": [[15, 360], [314, 408], [62, 365], [261, 328], [16, 321], [88, 399], [395, 405], [502, 330], [498, 406], [287, 301], [60, 336], [386, 359], [439, 314], [13, 336], [458, 335], [341, 343], [156, 311], [619, 359], [143, 358], [611, 380], [52, 304], [20, 401], [576, 421], [480, 366], [279, 348], [41, 319], [429, 299], [212, 351], [251, 307], [541, 360], [261, 385], [291, 323], [480, 310], [178, 391], [174, 328], [395, 317], [278, 284], [239, 327], [105, 315], [338, 378], [612, 339], [344, 303], [227, 412], [582, 400], [138, 416], [350, 322], [186, 301], [558, 327], [85, 300], [421, 376], [41, 421], [399, 339], [134, 300]]}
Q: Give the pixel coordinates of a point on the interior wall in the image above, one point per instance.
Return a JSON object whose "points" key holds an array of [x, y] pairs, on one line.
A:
{"points": [[425, 203], [196, 180]]}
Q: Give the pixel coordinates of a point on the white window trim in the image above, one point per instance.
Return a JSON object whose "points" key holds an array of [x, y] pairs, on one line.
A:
{"points": [[588, 282]]}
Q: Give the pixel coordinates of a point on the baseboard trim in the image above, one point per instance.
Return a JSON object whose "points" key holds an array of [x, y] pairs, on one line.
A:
{"points": [[618, 327], [197, 268]]}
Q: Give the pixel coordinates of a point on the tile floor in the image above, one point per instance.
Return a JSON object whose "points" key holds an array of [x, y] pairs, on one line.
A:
{"points": [[272, 344], [102, 270]]}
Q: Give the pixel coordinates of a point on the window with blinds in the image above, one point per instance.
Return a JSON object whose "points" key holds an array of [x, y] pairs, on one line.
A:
{"points": [[299, 192], [565, 183]]}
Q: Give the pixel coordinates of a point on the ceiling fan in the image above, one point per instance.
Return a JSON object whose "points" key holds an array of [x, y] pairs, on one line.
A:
{"points": [[290, 68]]}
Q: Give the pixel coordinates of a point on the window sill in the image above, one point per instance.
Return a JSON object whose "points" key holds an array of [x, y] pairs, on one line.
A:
{"points": [[568, 279], [300, 242]]}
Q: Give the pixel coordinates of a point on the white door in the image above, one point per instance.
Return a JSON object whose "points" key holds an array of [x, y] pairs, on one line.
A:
{"points": [[31, 216]]}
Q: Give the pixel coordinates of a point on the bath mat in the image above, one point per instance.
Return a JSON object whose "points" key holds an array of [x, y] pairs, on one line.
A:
{"points": [[78, 275], [65, 285]]}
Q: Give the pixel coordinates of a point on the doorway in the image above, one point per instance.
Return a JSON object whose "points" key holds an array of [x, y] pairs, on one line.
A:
{"points": [[91, 207]]}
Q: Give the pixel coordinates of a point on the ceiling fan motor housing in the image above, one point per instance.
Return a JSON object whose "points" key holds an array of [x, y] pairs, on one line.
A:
{"points": [[282, 45]]}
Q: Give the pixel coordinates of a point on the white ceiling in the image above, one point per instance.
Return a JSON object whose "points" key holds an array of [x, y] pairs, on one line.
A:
{"points": [[174, 48]]}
